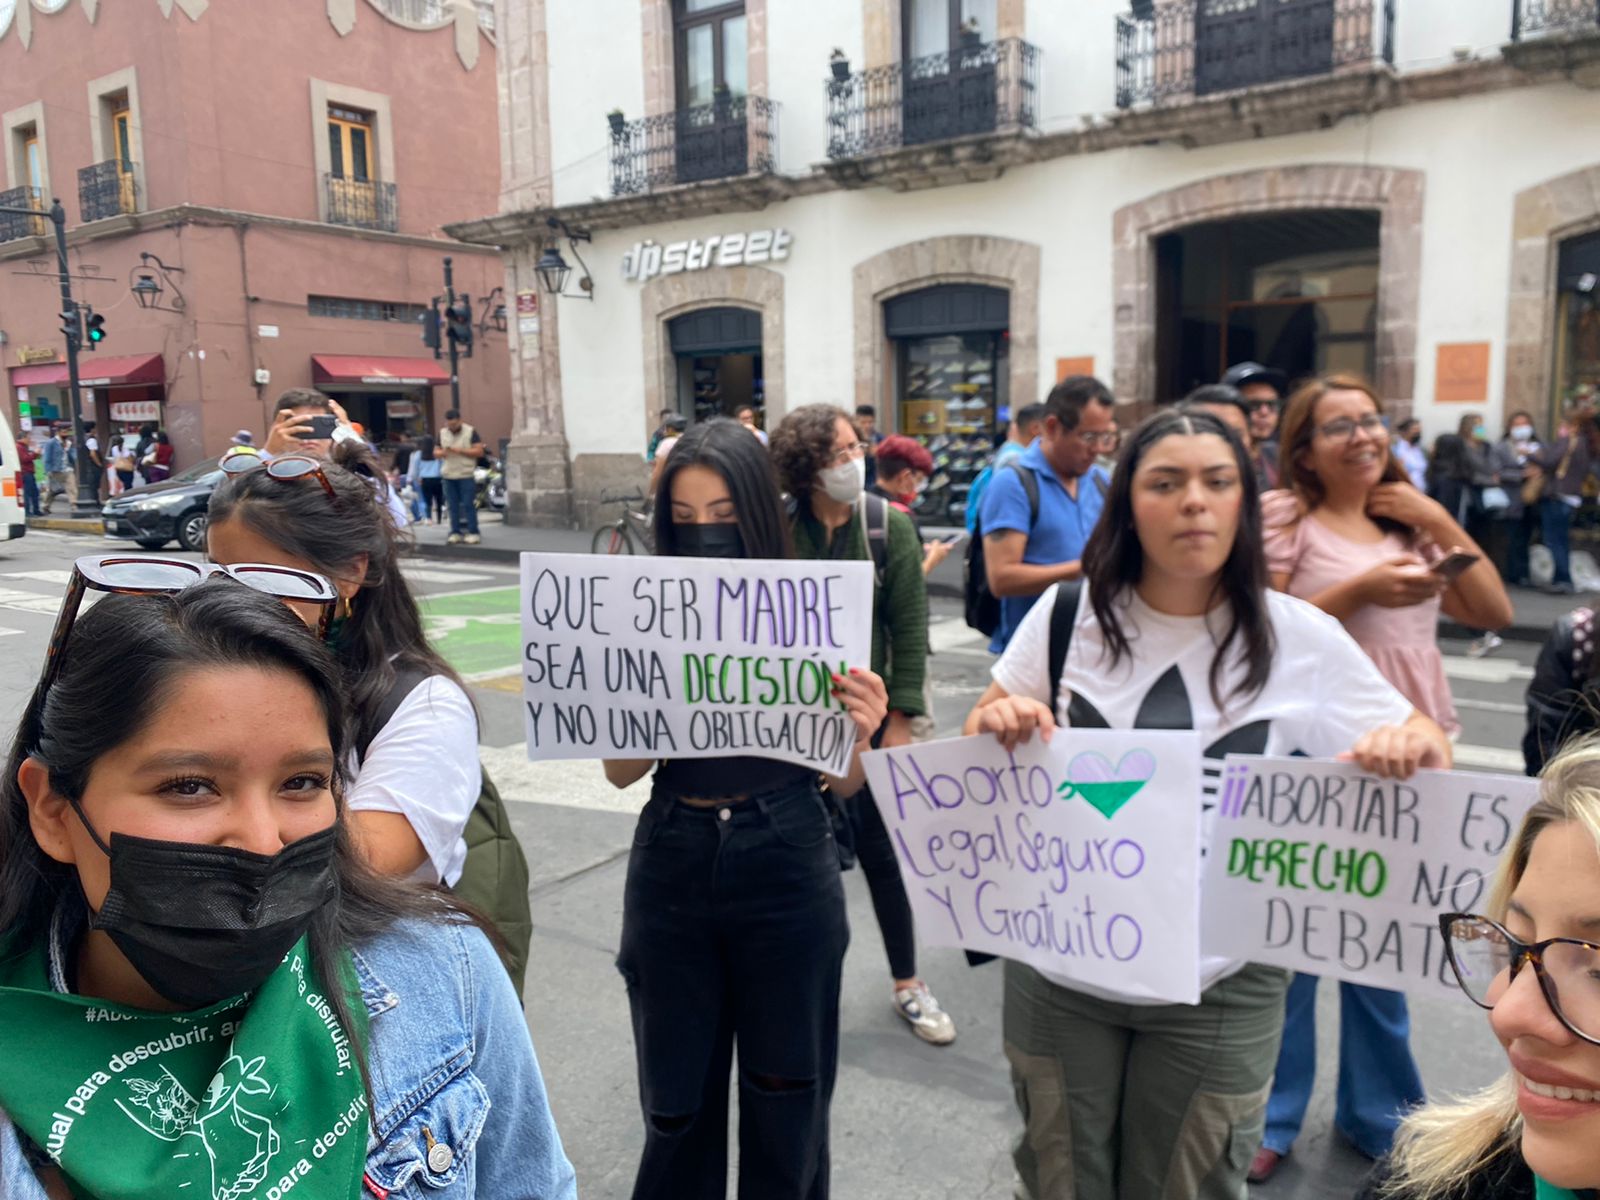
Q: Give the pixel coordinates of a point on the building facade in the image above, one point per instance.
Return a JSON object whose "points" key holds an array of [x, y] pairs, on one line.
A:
{"points": [[939, 207], [255, 196]]}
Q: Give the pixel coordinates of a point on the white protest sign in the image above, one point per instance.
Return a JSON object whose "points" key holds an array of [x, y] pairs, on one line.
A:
{"points": [[1080, 857], [691, 657], [1320, 867]]}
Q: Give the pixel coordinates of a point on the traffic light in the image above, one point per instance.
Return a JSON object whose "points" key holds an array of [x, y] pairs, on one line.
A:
{"points": [[94, 328], [459, 317], [72, 326], [430, 327]]}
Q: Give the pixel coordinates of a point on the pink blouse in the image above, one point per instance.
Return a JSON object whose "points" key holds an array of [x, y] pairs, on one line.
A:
{"points": [[1402, 642]]}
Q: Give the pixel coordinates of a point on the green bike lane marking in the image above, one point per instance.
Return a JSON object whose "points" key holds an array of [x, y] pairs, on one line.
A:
{"points": [[479, 632]]}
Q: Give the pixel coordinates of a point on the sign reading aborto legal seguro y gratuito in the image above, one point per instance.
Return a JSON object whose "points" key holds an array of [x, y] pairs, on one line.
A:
{"points": [[665, 657], [1322, 868]]}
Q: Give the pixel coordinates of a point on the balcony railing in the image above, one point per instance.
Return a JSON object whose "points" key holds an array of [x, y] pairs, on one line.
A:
{"points": [[1534, 18], [108, 189], [1188, 48], [730, 136], [13, 226], [981, 88], [363, 203]]}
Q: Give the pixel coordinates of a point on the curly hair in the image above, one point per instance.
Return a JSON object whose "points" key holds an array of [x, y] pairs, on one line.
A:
{"points": [[802, 444]]}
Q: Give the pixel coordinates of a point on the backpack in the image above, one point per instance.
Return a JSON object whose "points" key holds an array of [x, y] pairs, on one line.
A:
{"points": [[982, 607], [495, 877]]}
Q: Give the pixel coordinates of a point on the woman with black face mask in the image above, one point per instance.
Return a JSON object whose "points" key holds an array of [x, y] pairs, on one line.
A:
{"points": [[202, 983], [733, 919]]}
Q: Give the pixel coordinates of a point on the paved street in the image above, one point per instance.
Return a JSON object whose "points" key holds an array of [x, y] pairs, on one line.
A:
{"points": [[910, 1121]]}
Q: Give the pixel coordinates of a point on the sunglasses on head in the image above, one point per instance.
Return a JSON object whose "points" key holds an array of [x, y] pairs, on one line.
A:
{"points": [[241, 460], [166, 576]]}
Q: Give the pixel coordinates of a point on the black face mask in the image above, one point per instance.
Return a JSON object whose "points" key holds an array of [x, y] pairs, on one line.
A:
{"points": [[202, 923], [707, 541]]}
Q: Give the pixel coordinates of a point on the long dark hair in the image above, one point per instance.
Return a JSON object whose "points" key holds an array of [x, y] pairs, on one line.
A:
{"points": [[1113, 561], [126, 657], [726, 447], [1300, 426], [384, 628]]}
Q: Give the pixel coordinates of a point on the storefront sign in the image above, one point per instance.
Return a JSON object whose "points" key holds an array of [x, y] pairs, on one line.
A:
{"points": [[648, 259], [1080, 856], [691, 657], [527, 302], [1319, 867], [1461, 373], [136, 410], [399, 410], [36, 354], [395, 379]]}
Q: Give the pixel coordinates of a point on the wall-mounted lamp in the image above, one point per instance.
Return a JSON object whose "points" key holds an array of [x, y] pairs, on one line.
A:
{"points": [[552, 268], [154, 278], [493, 309]]}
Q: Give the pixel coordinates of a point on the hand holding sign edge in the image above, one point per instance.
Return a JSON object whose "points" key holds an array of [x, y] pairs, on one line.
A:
{"points": [[1399, 751]]}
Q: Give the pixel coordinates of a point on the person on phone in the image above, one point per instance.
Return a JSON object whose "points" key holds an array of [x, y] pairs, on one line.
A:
{"points": [[458, 450], [1352, 535], [354, 1035], [1174, 626], [733, 914], [904, 468], [307, 422]]}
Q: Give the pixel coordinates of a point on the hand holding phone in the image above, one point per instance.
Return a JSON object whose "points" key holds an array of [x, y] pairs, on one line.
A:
{"points": [[1453, 565], [319, 428], [955, 539]]}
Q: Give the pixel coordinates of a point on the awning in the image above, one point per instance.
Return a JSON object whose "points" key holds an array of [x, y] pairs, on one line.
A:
{"points": [[398, 372], [94, 371]]}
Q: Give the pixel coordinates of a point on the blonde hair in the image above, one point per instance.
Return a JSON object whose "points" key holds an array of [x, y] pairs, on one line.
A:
{"points": [[1441, 1146]]}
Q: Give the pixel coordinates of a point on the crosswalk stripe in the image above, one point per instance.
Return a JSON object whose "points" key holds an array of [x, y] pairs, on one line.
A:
{"points": [[29, 601], [58, 577], [570, 783], [1490, 758], [1485, 670], [445, 575]]}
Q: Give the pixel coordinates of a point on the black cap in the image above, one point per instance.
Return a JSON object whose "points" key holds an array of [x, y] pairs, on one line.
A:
{"points": [[1253, 372]]}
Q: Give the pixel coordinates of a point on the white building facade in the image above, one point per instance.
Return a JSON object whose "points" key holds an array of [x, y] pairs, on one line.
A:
{"points": [[939, 207]]}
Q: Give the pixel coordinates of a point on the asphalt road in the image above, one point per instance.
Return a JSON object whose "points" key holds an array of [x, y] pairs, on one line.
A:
{"points": [[910, 1121]]}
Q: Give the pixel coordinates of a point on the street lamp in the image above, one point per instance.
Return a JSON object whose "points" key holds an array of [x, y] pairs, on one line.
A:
{"points": [[148, 290], [552, 267]]}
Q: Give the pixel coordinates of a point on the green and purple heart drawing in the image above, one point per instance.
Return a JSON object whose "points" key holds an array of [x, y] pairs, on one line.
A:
{"points": [[1105, 787]]}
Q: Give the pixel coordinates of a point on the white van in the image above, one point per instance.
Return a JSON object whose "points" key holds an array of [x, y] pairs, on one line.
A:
{"points": [[13, 522]]}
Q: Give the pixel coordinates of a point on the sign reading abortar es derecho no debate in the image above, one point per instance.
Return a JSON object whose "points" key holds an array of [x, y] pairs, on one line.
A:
{"points": [[691, 657]]}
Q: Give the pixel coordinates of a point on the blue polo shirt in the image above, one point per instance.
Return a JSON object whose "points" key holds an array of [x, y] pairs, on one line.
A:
{"points": [[1058, 536]]}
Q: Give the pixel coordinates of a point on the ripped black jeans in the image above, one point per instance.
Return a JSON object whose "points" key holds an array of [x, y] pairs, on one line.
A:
{"points": [[733, 935]]}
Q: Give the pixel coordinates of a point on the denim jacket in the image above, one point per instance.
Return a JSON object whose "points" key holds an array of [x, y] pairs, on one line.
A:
{"points": [[450, 1051]]}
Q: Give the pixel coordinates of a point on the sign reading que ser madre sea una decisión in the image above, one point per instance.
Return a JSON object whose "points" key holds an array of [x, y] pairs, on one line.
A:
{"points": [[691, 657]]}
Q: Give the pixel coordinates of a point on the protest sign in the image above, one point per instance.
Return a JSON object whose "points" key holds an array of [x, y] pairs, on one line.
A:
{"points": [[691, 657], [1320, 867], [1080, 857]]}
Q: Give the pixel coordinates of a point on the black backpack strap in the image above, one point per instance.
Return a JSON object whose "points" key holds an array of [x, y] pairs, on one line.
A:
{"points": [[1063, 615], [1030, 485], [407, 679]]}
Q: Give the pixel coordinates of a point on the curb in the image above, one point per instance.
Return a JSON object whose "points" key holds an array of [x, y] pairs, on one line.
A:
{"points": [[459, 553], [1511, 633], [67, 524]]}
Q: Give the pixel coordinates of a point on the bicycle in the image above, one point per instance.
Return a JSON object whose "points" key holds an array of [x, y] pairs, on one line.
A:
{"points": [[633, 526]]}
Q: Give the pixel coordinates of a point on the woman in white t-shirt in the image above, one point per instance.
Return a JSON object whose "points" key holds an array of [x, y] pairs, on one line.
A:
{"points": [[1175, 627]]}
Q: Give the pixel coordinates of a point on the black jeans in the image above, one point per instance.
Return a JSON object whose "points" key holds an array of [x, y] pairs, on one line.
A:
{"points": [[875, 853], [734, 933]]}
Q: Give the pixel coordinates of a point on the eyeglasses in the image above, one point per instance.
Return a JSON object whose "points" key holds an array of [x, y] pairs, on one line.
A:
{"points": [[1271, 406], [1108, 440], [1344, 429], [1486, 958], [165, 576], [243, 459], [846, 454]]}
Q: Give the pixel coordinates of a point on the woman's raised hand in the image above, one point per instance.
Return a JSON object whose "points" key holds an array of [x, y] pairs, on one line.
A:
{"points": [[1013, 719]]}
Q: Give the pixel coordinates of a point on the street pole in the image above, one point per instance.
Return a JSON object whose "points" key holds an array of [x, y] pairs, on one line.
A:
{"points": [[88, 502], [449, 307]]}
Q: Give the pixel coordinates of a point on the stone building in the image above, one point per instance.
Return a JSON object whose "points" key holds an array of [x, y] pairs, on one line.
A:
{"points": [[964, 200], [254, 196]]}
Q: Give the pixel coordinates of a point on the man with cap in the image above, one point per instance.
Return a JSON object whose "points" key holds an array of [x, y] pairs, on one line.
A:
{"points": [[244, 438], [1262, 389]]}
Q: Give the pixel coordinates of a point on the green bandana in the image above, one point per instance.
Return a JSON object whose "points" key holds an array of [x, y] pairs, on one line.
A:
{"points": [[230, 1102]]}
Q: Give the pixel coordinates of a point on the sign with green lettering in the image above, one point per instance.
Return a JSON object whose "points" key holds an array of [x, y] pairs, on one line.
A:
{"points": [[1322, 868]]}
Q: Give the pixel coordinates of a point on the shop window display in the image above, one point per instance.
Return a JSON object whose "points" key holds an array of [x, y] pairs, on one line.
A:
{"points": [[952, 400]]}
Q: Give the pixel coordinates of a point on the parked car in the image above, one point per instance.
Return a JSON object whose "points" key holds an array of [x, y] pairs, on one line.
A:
{"points": [[156, 513]]}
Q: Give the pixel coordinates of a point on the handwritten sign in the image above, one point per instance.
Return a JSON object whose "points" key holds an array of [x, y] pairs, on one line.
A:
{"points": [[1080, 857], [1322, 868], [691, 657]]}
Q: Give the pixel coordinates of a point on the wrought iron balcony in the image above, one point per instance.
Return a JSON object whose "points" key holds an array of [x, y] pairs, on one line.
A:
{"points": [[1535, 18], [108, 189], [979, 88], [730, 136], [13, 226], [363, 203], [1186, 48]]}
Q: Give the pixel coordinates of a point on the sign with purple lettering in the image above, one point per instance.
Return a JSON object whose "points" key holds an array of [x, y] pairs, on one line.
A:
{"points": [[1322, 868], [1080, 857], [691, 657]]}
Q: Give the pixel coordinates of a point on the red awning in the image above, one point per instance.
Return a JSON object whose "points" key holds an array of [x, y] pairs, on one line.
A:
{"points": [[94, 371], [400, 372]]}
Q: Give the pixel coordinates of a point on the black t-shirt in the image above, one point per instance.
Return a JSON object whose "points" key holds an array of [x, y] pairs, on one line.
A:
{"points": [[736, 775]]}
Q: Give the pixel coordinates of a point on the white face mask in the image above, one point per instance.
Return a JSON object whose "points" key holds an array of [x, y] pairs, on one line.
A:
{"points": [[844, 483], [1522, 433]]}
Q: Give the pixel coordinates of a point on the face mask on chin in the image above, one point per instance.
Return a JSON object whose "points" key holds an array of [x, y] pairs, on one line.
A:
{"points": [[844, 483], [720, 540]]}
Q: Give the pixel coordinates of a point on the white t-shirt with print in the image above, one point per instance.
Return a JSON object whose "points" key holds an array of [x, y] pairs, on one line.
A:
{"points": [[1321, 695]]}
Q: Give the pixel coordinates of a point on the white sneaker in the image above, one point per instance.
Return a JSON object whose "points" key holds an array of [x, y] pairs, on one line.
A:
{"points": [[922, 1012], [1483, 645]]}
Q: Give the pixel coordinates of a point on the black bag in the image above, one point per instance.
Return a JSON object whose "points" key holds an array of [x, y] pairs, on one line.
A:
{"points": [[983, 606]]}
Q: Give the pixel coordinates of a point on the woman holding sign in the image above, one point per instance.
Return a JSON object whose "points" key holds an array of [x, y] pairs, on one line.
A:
{"points": [[205, 989], [1531, 960], [1175, 628], [1352, 535], [733, 919]]}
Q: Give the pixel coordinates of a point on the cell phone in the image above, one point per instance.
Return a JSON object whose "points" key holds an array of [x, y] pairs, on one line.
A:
{"points": [[1451, 567], [955, 539], [321, 430]]}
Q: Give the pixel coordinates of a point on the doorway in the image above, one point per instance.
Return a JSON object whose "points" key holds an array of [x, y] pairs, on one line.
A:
{"points": [[718, 355]]}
